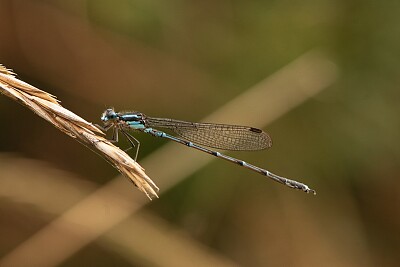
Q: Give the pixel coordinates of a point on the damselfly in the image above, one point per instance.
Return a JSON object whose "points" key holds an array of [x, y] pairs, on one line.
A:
{"points": [[197, 135]]}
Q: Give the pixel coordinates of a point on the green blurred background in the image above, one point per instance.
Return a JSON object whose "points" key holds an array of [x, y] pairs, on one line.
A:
{"points": [[184, 60]]}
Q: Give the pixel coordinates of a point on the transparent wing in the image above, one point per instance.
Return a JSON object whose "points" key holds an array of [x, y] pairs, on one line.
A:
{"points": [[221, 136]]}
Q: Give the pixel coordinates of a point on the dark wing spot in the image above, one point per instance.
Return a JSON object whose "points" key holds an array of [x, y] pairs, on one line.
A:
{"points": [[255, 130]]}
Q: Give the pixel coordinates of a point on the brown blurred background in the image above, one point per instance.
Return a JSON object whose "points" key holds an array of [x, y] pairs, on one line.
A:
{"points": [[187, 60]]}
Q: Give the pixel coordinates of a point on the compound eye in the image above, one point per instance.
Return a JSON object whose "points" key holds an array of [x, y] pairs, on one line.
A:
{"points": [[109, 114], [104, 117]]}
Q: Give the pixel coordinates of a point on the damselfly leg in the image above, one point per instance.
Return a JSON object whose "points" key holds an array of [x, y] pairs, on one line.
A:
{"points": [[130, 140], [114, 139]]}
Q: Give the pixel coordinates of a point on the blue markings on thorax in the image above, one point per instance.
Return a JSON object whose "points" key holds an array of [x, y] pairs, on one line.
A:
{"points": [[135, 121], [131, 117]]}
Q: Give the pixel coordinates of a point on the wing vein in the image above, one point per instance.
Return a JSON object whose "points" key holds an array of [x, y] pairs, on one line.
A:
{"points": [[221, 136]]}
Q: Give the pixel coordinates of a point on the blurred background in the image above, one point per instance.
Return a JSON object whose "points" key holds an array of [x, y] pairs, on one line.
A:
{"points": [[322, 77]]}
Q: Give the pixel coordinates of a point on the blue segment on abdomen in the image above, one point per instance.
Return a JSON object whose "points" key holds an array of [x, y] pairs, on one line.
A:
{"points": [[155, 132], [135, 125]]}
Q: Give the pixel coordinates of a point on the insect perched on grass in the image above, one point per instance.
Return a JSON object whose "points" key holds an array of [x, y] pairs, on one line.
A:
{"points": [[196, 135]]}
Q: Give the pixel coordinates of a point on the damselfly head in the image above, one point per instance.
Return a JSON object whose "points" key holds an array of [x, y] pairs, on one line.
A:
{"points": [[109, 114]]}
